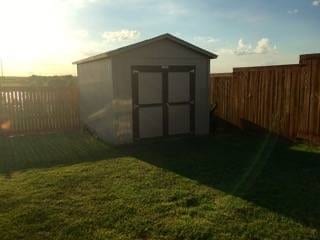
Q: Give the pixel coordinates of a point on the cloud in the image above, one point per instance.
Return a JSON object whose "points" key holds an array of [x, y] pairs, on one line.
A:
{"points": [[263, 46], [293, 11], [243, 48], [316, 3], [207, 39], [121, 36], [88, 46]]}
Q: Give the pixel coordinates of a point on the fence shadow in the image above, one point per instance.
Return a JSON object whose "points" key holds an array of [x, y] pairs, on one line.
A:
{"points": [[264, 170], [50, 150]]}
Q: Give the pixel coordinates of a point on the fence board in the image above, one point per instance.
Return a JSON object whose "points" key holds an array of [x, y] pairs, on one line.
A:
{"points": [[283, 99], [38, 109]]}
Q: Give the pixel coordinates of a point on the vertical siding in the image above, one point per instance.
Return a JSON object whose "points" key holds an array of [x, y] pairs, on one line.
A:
{"points": [[96, 97]]}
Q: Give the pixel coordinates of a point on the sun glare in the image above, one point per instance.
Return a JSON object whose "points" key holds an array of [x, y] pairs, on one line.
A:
{"points": [[32, 32]]}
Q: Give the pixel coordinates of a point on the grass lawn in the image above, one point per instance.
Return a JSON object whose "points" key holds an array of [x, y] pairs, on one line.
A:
{"points": [[230, 186]]}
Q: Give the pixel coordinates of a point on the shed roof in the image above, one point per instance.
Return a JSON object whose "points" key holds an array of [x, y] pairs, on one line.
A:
{"points": [[147, 42]]}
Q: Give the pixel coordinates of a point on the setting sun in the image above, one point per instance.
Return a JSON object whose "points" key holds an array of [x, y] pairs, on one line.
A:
{"points": [[35, 35]]}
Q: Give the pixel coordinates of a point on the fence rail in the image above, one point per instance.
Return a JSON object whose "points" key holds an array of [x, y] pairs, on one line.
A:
{"points": [[38, 109], [283, 99]]}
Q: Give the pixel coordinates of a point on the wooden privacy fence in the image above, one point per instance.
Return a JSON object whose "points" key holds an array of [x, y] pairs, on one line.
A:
{"points": [[38, 109], [283, 99]]}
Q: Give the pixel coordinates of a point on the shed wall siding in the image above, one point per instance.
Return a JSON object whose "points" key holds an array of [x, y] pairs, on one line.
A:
{"points": [[96, 97], [161, 53]]}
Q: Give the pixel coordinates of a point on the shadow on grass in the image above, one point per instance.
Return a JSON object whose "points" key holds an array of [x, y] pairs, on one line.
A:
{"points": [[44, 151], [264, 170]]}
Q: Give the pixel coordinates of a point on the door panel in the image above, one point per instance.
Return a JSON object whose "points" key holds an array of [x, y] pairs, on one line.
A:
{"points": [[178, 86], [179, 119], [151, 122], [150, 88]]}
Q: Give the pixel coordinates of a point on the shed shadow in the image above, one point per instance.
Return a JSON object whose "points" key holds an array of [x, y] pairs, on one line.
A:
{"points": [[267, 171]]}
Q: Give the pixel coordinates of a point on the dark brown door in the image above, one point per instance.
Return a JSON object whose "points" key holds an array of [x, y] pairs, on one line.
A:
{"points": [[163, 100]]}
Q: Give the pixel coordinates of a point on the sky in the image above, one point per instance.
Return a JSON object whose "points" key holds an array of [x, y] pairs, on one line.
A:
{"points": [[44, 37]]}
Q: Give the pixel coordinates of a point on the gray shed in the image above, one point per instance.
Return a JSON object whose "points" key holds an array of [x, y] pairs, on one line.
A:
{"points": [[158, 87]]}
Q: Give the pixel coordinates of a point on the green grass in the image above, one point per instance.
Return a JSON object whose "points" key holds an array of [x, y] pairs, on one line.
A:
{"points": [[229, 186]]}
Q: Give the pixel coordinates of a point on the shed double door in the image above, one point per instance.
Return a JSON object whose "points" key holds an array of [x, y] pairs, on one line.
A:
{"points": [[163, 101]]}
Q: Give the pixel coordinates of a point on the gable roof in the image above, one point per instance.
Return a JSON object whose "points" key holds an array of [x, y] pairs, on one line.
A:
{"points": [[147, 42]]}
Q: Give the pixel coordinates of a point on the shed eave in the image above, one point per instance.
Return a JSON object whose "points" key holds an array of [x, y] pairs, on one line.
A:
{"points": [[147, 42], [92, 59]]}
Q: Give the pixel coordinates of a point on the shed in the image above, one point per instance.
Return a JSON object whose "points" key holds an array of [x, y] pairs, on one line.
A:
{"points": [[154, 88]]}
